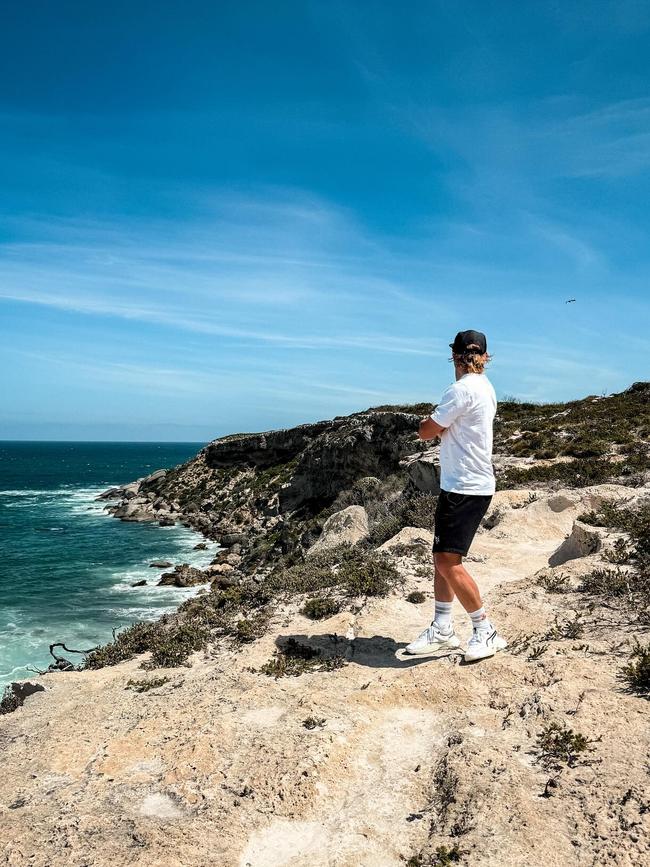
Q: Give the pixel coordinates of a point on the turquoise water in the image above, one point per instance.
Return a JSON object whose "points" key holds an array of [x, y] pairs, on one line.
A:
{"points": [[66, 567]]}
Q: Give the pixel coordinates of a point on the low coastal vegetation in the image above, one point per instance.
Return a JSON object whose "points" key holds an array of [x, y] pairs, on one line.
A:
{"points": [[295, 658], [241, 613], [559, 746], [636, 673], [629, 578]]}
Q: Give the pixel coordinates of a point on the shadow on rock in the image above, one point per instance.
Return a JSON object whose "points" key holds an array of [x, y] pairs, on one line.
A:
{"points": [[377, 651]]}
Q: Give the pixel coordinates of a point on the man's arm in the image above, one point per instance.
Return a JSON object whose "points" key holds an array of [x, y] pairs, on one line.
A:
{"points": [[430, 429]]}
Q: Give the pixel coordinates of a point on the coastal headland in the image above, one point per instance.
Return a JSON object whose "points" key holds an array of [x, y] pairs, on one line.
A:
{"points": [[274, 720]]}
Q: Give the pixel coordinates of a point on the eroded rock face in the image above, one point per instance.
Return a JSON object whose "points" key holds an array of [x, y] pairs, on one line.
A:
{"points": [[347, 527], [262, 450], [369, 444], [261, 491]]}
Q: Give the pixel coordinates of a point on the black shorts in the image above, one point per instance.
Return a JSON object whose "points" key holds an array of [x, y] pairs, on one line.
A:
{"points": [[456, 521]]}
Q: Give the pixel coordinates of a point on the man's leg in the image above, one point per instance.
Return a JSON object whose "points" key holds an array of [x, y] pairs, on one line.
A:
{"points": [[444, 597], [441, 587], [452, 578], [484, 641]]}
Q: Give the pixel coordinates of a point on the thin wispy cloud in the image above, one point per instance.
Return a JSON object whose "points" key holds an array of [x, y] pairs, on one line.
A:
{"points": [[280, 235]]}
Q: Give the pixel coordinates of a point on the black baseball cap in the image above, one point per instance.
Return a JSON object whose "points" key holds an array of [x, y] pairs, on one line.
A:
{"points": [[465, 341]]}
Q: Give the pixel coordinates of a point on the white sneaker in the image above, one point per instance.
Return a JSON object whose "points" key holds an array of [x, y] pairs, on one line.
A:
{"points": [[432, 639], [483, 643]]}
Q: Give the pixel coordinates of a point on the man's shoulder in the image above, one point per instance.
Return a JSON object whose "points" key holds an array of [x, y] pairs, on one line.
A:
{"points": [[456, 391], [478, 388]]}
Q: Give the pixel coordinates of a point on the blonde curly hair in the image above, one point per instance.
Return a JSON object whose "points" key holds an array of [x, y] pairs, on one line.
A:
{"points": [[471, 361]]}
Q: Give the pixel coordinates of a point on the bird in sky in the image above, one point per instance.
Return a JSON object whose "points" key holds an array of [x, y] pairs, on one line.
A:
{"points": [[570, 301]]}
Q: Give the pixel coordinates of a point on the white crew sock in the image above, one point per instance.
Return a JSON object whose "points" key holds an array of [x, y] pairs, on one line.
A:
{"points": [[479, 619], [442, 617]]}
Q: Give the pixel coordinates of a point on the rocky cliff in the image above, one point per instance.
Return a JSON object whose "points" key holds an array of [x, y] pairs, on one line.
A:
{"points": [[274, 721]]}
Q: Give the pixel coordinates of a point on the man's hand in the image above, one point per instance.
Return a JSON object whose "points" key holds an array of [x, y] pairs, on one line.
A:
{"points": [[430, 429]]}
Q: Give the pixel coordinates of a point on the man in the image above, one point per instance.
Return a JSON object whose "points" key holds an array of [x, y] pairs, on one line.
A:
{"points": [[463, 420]]}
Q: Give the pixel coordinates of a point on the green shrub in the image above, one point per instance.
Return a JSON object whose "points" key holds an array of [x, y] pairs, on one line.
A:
{"points": [[555, 583], [416, 597], [442, 857], [314, 722], [146, 685], [606, 582], [319, 607], [636, 674], [172, 647], [295, 658], [558, 745], [357, 571], [619, 553], [566, 629], [246, 631], [126, 644], [370, 574], [411, 509]]}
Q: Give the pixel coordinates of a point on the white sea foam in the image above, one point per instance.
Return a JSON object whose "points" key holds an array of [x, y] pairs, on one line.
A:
{"points": [[21, 637]]}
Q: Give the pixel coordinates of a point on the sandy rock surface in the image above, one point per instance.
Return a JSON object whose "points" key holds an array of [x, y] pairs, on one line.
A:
{"points": [[347, 527], [215, 767]]}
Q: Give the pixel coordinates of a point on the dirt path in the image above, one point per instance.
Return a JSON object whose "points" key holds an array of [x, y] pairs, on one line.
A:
{"points": [[216, 767]]}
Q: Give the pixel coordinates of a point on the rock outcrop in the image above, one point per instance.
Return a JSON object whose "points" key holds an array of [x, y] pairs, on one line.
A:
{"points": [[347, 527], [261, 491], [183, 575]]}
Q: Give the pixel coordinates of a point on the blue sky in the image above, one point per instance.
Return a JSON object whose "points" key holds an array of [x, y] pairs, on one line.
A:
{"points": [[243, 215]]}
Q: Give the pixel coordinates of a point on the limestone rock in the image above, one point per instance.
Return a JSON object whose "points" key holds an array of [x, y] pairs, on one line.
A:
{"points": [[409, 537], [228, 539], [160, 564], [219, 569], [349, 526], [156, 476], [582, 541], [183, 576]]}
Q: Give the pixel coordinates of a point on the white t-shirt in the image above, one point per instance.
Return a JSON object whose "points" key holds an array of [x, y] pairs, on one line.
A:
{"points": [[467, 410]]}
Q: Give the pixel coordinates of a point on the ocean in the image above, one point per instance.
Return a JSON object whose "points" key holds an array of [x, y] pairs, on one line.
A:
{"points": [[66, 566]]}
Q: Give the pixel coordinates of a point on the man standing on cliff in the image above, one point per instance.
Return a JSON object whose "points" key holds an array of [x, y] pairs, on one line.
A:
{"points": [[463, 420]]}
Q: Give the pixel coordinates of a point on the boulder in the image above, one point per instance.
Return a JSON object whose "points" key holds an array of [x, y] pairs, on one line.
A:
{"points": [[349, 526], [160, 564], [126, 509], [140, 516], [424, 472], [219, 569], [139, 583], [409, 537], [153, 477], [166, 521], [223, 582], [228, 539], [24, 688], [202, 546], [110, 494], [183, 576], [582, 541]]}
